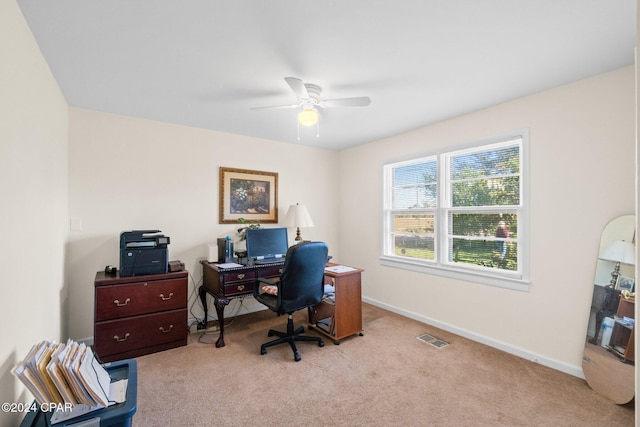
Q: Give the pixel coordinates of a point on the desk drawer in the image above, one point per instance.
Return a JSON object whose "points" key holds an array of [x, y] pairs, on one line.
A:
{"points": [[237, 276], [135, 298], [119, 336], [239, 288], [271, 271]]}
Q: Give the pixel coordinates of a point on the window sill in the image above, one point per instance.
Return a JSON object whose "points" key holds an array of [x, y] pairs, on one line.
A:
{"points": [[514, 283]]}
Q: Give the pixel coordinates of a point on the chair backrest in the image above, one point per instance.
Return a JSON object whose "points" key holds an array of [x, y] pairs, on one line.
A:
{"points": [[302, 278]]}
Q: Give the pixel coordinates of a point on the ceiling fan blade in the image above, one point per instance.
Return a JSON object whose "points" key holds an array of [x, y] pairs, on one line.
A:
{"points": [[275, 107], [298, 87], [361, 101]]}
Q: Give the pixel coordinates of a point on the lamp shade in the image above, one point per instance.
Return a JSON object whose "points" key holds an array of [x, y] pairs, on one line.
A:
{"points": [[308, 117], [298, 216], [619, 251]]}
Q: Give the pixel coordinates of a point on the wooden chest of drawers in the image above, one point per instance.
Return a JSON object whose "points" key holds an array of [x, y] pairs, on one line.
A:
{"points": [[139, 315]]}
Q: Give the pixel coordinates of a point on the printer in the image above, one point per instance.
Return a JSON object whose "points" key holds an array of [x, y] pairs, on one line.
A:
{"points": [[143, 252]]}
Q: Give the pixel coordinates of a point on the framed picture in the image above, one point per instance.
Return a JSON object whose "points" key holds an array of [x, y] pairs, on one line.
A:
{"points": [[625, 284], [248, 194]]}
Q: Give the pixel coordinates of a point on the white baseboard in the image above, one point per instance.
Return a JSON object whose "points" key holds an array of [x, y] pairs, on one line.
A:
{"points": [[576, 371]]}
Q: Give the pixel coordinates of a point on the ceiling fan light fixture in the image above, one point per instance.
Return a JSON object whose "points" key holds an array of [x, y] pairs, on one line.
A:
{"points": [[308, 117]]}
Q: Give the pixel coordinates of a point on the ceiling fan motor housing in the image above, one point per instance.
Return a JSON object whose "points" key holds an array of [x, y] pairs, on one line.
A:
{"points": [[314, 92]]}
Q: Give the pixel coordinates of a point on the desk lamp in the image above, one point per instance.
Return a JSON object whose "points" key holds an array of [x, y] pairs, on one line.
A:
{"points": [[618, 251], [298, 216]]}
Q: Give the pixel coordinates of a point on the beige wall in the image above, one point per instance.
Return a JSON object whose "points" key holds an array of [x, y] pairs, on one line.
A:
{"points": [[582, 175], [33, 184], [128, 174]]}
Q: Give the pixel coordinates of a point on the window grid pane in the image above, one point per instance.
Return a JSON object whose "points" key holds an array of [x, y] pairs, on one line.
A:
{"points": [[415, 185], [486, 192], [414, 235], [415, 197], [484, 239], [488, 177], [486, 163]]}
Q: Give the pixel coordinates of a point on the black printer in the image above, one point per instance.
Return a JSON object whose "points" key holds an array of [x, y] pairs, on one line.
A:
{"points": [[143, 252]]}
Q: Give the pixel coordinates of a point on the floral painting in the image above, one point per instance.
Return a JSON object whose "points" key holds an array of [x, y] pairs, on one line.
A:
{"points": [[251, 197], [248, 194]]}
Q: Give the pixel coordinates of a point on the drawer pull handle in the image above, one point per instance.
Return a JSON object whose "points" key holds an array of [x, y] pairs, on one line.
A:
{"points": [[166, 298], [117, 338], [241, 276], [122, 304], [163, 330], [241, 288]]}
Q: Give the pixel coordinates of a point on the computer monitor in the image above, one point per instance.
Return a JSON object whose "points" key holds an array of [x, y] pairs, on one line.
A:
{"points": [[266, 243]]}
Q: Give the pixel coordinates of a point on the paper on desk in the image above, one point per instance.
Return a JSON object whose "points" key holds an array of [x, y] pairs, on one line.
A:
{"points": [[117, 394], [339, 269], [229, 265]]}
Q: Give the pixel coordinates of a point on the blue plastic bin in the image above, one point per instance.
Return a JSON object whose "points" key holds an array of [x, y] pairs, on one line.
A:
{"points": [[118, 415]]}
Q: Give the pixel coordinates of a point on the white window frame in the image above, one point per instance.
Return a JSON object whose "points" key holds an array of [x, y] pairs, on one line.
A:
{"points": [[517, 280]]}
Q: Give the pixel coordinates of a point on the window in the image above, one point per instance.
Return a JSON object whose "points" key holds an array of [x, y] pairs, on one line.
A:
{"points": [[460, 213]]}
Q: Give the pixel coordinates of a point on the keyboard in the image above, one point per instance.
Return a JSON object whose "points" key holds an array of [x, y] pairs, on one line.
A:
{"points": [[269, 261]]}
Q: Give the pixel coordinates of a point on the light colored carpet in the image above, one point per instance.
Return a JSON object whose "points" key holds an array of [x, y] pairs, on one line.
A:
{"points": [[385, 378]]}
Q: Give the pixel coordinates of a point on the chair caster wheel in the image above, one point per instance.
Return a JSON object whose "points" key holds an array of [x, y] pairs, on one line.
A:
{"points": [[321, 344], [270, 334], [263, 351], [297, 357]]}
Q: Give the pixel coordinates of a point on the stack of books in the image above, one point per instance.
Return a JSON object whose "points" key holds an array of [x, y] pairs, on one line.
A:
{"points": [[64, 374]]}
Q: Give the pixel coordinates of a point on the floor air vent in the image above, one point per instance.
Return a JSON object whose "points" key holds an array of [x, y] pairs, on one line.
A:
{"points": [[438, 343]]}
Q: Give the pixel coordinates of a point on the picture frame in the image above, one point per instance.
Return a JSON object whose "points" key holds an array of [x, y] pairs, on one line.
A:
{"points": [[248, 194], [625, 284]]}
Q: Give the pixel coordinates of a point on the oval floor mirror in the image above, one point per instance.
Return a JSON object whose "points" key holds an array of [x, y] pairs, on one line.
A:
{"points": [[608, 361]]}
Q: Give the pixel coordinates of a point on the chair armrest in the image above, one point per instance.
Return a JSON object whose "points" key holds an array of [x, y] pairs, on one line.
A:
{"points": [[257, 289]]}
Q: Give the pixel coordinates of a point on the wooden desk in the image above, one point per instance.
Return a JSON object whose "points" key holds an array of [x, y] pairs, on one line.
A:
{"points": [[226, 284], [345, 314]]}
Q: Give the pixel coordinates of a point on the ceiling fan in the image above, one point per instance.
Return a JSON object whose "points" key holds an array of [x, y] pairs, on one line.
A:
{"points": [[309, 99]]}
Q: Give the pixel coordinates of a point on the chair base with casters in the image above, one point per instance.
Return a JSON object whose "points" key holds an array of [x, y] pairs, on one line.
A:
{"points": [[300, 286], [291, 336]]}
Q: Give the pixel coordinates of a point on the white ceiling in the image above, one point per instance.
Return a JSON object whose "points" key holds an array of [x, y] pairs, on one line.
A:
{"points": [[205, 63]]}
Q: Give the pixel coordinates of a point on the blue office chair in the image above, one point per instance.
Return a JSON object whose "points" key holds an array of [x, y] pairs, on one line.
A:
{"points": [[300, 285]]}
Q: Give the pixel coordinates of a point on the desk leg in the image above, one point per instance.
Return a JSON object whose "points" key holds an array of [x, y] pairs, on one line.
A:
{"points": [[600, 315], [220, 305], [202, 291]]}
